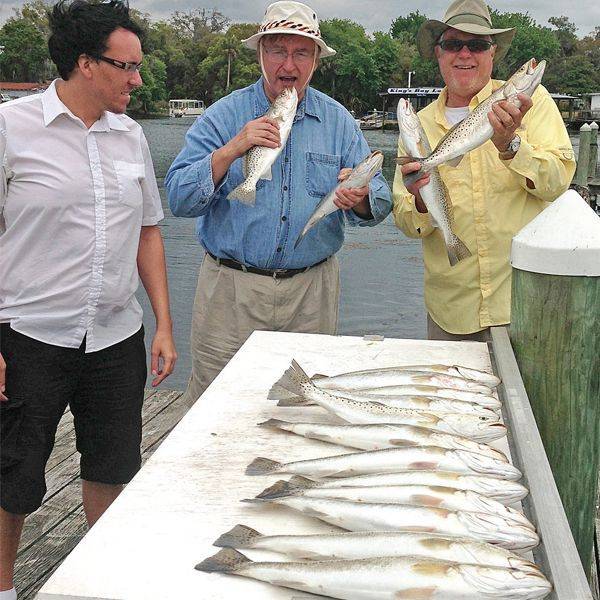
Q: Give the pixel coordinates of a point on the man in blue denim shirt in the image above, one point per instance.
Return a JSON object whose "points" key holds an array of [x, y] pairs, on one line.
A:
{"points": [[252, 276]]}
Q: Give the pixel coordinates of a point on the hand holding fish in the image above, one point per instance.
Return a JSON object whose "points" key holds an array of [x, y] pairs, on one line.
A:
{"points": [[263, 131], [505, 118], [352, 198], [413, 188]]}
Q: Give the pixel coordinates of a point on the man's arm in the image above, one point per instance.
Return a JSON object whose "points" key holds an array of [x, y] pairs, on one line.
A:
{"points": [[153, 273]]}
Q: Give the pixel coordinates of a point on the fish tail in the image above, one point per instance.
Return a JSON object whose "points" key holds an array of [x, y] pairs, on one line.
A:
{"points": [[457, 250], [240, 536], [294, 379], [303, 483], [295, 401], [272, 423], [277, 392], [262, 466], [245, 192], [226, 560], [299, 239], [279, 489]]}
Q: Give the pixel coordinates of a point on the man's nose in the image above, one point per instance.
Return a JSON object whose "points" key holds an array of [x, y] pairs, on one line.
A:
{"points": [[289, 63], [464, 51], [136, 79]]}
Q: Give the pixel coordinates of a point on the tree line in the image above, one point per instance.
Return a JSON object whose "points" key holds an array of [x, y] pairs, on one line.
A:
{"points": [[198, 54]]}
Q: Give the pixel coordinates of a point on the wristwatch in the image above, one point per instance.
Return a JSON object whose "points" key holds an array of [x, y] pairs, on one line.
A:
{"points": [[513, 148]]}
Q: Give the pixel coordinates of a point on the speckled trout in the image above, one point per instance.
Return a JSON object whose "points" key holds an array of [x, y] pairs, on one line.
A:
{"points": [[371, 544], [476, 129], [383, 435], [386, 578], [360, 176], [481, 429], [257, 162], [417, 495], [379, 516], [435, 194], [503, 490], [390, 460]]}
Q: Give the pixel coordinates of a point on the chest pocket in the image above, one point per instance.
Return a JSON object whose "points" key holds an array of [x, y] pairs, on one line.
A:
{"points": [[322, 171], [129, 176]]}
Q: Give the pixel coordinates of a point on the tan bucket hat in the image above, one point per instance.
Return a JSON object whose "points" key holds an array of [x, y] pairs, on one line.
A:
{"points": [[290, 17], [470, 16]]}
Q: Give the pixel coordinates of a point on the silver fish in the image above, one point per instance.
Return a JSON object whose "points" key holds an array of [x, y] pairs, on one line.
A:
{"points": [[390, 460], [435, 195], [378, 516], [477, 428], [386, 578], [418, 495], [257, 161], [476, 129], [383, 435], [360, 176], [371, 544], [503, 490]]}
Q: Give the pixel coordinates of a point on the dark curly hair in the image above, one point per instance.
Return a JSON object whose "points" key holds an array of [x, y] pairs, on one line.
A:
{"points": [[82, 27]]}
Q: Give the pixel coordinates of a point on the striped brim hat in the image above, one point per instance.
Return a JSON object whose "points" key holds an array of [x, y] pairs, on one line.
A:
{"points": [[288, 17]]}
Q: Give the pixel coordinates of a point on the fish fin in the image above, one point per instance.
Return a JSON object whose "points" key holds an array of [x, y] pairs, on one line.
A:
{"points": [[411, 178], [266, 174], [423, 465], [402, 443], [404, 160], [293, 379], [279, 489], [279, 393], [262, 466], [295, 401], [245, 193], [226, 560], [420, 593], [253, 500], [319, 376], [425, 500], [272, 423], [240, 536], [455, 161], [303, 482], [457, 250]]}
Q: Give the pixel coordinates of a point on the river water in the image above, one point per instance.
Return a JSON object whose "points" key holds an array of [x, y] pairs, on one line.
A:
{"points": [[381, 269]]}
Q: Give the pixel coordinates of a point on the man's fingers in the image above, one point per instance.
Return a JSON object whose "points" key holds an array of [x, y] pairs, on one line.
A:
{"points": [[410, 167]]}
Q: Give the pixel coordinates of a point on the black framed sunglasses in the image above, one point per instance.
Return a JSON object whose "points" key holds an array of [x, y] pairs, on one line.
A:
{"points": [[130, 67], [475, 45]]}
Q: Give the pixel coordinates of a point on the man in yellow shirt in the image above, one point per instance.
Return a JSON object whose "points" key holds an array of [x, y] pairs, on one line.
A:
{"points": [[495, 190]]}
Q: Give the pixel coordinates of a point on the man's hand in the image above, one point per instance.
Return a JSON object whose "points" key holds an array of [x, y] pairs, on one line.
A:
{"points": [[163, 356], [353, 198], [2, 379], [505, 119], [417, 185], [260, 132]]}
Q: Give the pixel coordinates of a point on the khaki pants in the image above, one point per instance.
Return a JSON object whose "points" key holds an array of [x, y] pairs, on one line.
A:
{"points": [[435, 332], [230, 305]]}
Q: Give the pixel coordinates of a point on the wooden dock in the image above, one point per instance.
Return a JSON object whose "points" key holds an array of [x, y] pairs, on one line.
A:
{"points": [[55, 529]]}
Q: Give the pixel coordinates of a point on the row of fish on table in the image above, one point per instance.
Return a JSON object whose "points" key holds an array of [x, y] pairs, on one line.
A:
{"points": [[467, 135], [423, 497]]}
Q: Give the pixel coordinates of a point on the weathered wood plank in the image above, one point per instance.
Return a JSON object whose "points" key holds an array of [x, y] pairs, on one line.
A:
{"points": [[53, 530]]}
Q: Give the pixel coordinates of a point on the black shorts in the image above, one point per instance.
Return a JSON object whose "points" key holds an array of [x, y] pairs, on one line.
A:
{"points": [[105, 390]]}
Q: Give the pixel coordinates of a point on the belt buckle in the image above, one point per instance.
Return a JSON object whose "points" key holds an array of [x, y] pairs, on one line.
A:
{"points": [[278, 272]]}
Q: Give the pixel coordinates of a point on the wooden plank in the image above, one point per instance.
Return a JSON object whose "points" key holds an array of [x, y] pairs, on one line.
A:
{"points": [[60, 522], [558, 554]]}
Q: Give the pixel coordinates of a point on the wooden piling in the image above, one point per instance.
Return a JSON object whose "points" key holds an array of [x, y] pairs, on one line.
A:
{"points": [[593, 151], [555, 333], [583, 158]]}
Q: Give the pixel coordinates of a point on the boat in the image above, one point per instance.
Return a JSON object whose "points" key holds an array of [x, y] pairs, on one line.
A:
{"points": [[186, 107]]}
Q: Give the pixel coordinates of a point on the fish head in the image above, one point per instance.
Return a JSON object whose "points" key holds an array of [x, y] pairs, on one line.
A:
{"points": [[511, 491], [526, 79], [365, 171], [485, 464], [408, 121], [515, 583], [285, 104]]}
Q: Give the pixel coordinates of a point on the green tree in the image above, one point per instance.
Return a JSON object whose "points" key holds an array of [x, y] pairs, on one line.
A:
{"points": [[406, 28], [153, 93], [573, 75], [565, 33], [25, 51]]}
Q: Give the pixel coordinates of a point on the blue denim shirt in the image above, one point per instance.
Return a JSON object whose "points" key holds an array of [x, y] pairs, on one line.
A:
{"points": [[324, 139]]}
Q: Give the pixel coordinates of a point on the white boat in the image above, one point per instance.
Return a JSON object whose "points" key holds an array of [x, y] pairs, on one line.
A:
{"points": [[185, 107]]}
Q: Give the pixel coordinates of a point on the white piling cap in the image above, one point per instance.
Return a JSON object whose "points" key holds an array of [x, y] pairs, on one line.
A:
{"points": [[564, 239]]}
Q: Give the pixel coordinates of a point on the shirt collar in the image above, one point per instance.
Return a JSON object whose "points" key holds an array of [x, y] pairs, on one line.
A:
{"points": [[440, 109], [308, 104], [53, 107]]}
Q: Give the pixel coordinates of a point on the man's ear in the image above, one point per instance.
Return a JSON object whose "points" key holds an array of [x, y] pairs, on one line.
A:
{"points": [[84, 64]]}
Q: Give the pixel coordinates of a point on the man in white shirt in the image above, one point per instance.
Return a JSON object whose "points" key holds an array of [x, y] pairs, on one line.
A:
{"points": [[79, 208]]}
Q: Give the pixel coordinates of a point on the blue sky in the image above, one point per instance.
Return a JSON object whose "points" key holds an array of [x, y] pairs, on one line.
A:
{"points": [[375, 15]]}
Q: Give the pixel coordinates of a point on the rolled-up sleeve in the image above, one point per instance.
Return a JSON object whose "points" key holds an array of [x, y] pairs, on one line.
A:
{"points": [[545, 156], [189, 181], [380, 196]]}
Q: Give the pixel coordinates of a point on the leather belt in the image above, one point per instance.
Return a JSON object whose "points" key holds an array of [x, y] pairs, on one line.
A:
{"points": [[275, 273]]}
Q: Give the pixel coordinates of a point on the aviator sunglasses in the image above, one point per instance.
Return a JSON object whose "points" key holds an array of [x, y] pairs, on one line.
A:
{"points": [[474, 45]]}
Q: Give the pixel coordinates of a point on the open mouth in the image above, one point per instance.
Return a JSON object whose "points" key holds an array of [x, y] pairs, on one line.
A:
{"points": [[288, 81]]}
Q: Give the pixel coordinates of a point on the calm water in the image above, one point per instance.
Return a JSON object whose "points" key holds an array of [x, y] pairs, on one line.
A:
{"points": [[381, 269]]}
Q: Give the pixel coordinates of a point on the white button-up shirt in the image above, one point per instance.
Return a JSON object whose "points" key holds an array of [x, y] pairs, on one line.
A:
{"points": [[72, 204]]}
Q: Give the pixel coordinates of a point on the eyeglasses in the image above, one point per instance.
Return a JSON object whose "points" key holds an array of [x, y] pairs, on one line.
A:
{"points": [[130, 67], [475, 45], [278, 56]]}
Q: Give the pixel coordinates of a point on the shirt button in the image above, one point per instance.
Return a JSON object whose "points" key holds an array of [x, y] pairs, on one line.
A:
{"points": [[287, 159], [285, 188], [284, 218], [279, 249]]}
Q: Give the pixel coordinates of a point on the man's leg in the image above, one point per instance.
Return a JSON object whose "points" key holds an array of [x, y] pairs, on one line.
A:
{"points": [[11, 526], [97, 497]]}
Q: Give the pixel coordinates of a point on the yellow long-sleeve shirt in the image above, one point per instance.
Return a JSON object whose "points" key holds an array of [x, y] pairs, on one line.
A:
{"points": [[491, 204]]}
